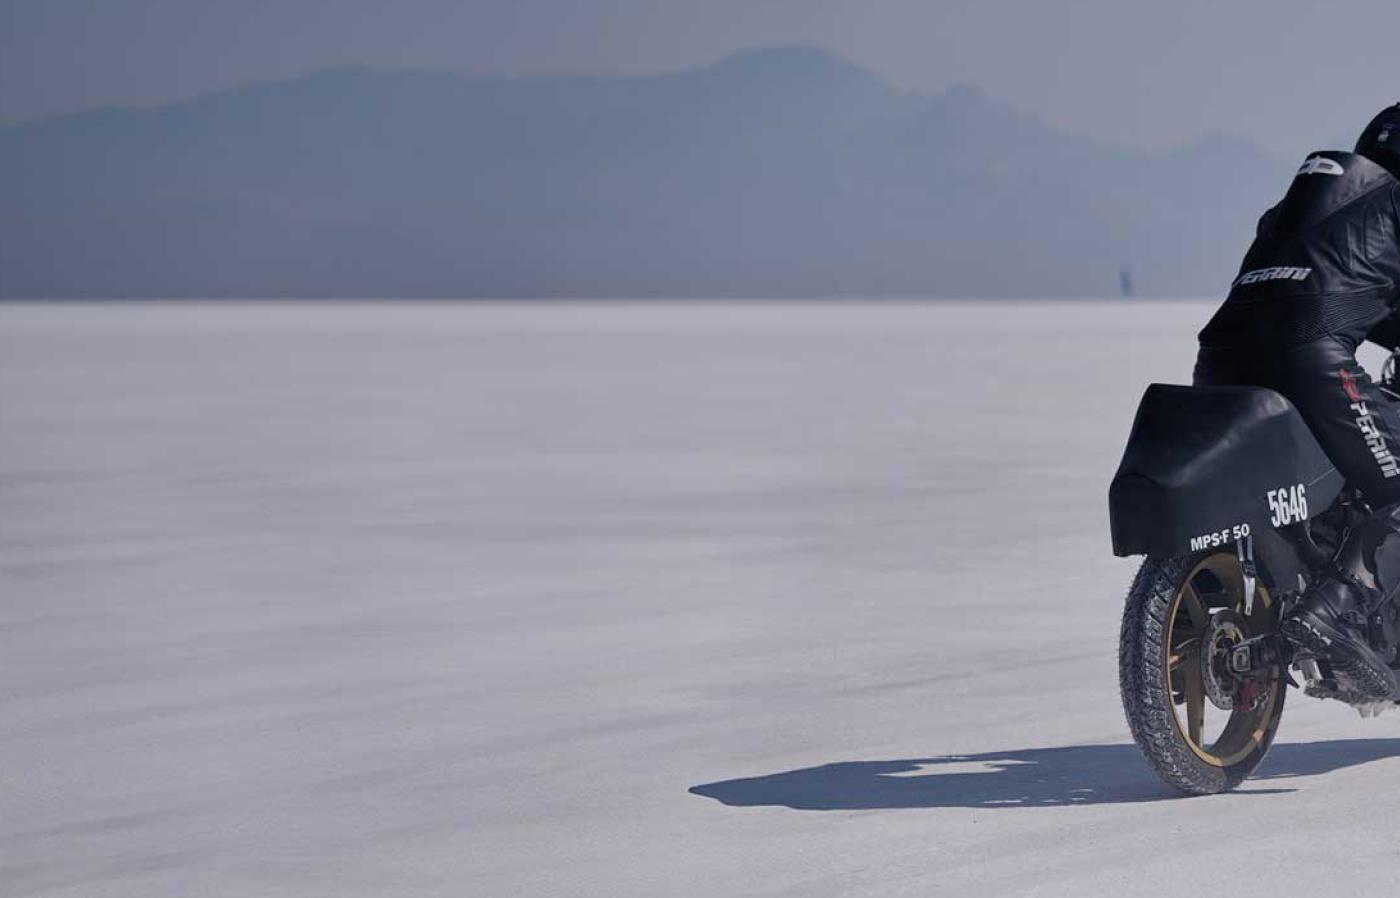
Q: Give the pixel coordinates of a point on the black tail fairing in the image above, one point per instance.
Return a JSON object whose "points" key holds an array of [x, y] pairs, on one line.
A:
{"points": [[1207, 465]]}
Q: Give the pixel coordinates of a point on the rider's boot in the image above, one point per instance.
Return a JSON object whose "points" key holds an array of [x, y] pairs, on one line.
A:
{"points": [[1331, 617]]}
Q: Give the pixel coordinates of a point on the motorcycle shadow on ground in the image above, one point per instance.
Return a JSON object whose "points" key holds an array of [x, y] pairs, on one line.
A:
{"points": [[1037, 777]]}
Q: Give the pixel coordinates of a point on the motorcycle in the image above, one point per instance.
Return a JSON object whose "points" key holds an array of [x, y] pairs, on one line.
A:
{"points": [[1237, 510]]}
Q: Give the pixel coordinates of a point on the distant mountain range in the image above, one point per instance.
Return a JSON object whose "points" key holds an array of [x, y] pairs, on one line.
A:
{"points": [[774, 173]]}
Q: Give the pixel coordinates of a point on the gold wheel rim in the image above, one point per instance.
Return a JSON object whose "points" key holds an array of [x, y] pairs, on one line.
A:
{"points": [[1243, 731]]}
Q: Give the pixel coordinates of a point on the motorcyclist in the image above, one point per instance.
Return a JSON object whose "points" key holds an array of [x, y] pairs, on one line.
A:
{"points": [[1322, 275]]}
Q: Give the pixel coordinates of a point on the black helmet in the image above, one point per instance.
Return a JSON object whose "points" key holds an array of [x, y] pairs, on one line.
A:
{"points": [[1380, 142]]}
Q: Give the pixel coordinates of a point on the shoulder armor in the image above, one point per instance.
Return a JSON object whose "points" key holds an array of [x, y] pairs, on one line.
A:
{"points": [[1326, 182]]}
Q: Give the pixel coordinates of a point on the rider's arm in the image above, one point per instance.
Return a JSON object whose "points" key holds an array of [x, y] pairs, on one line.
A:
{"points": [[1387, 333]]}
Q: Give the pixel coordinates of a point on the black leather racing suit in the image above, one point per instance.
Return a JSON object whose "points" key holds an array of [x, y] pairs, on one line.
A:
{"points": [[1322, 275]]}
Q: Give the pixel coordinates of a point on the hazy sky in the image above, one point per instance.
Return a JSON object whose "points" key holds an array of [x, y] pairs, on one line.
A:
{"points": [[1290, 74]]}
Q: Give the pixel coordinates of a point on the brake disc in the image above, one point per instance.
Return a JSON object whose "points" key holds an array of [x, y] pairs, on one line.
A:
{"points": [[1225, 630]]}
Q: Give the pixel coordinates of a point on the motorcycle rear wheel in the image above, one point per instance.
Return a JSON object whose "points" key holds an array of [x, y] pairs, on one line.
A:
{"points": [[1189, 742]]}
